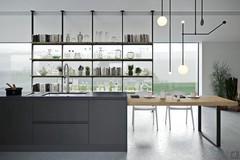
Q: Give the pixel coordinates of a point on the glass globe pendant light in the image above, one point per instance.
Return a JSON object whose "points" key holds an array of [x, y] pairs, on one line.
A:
{"points": [[162, 20], [183, 69]]}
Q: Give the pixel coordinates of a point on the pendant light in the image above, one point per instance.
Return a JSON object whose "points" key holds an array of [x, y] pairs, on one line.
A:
{"points": [[202, 20], [162, 20], [183, 69], [170, 39]]}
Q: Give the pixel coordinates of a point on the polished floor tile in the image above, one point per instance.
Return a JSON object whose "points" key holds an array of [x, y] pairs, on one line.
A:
{"points": [[145, 143]]}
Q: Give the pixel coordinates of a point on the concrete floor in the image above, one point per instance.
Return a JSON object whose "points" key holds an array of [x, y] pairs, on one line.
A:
{"points": [[145, 143]]}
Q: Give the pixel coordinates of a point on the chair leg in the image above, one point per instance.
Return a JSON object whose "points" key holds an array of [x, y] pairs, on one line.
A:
{"points": [[133, 117], [166, 115], [153, 116], [192, 119], [186, 116], [156, 117], [169, 115]]}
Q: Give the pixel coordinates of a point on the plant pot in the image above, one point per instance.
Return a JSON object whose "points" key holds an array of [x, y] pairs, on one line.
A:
{"points": [[13, 92], [87, 73], [130, 72]]}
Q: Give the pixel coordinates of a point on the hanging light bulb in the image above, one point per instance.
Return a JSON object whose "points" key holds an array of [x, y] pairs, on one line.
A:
{"points": [[183, 69], [162, 20]]}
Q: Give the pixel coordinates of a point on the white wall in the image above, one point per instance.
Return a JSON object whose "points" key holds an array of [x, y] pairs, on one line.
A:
{"points": [[115, 4], [227, 52]]}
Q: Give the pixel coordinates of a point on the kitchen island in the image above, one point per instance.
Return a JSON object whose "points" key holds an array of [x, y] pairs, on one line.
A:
{"points": [[64, 122]]}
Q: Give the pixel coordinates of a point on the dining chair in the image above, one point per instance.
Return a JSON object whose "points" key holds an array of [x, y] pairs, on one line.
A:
{"points": [[153, 109], [186, 108]]}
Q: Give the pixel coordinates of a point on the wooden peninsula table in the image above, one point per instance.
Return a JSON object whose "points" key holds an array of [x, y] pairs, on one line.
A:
{"points": [[204, 101]]}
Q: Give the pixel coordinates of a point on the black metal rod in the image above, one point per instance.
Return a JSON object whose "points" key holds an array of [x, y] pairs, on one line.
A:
{"points": [[200, 119], [218, 135], [202, 20], [218, 129], [92, 13], [224, 22], [170, 37], [62, 40], [182, 43], [209, 140], [205, 34], [62, 22], [32, 48], [161, 7], [196, 34], [198, 67], [152, 25], [122, 13], [195, 17]]}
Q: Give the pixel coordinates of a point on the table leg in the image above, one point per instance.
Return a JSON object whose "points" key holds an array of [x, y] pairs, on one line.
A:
{"points": [[200, 119], [218, 126]]}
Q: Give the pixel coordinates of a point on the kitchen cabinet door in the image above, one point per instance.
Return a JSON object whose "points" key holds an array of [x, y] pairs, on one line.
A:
{"points": [[108, 122], [16, 122]]}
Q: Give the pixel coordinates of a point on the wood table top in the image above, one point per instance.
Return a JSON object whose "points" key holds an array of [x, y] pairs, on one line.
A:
{"points": [[209, 101]]}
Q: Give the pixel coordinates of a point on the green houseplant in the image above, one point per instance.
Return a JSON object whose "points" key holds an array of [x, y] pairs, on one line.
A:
{"points": [[80, 70], [221, 72], [87, 71], [130, 70], [138, 70]]}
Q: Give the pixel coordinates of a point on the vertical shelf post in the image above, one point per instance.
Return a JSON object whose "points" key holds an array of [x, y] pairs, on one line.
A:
{"points": [[152, 16], [92, 13], [32, 33], [122, 14], [62, 40]]}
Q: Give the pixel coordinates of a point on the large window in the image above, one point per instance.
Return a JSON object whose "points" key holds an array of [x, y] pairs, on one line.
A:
{"points": [[15, 65], [163, 81]]}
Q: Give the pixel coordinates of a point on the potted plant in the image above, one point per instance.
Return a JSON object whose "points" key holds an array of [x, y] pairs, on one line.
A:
{"points": [[231, 88], [87, 71], [80, 70], [138, 70], [221, 72], [60, 70], [130, 70]]}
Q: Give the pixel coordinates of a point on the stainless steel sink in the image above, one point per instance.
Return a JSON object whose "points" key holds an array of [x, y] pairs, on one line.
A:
{"points": [[83, 94]]}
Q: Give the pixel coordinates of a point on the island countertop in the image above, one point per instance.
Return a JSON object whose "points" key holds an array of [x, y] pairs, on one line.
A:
{"points": [[94, 95]]}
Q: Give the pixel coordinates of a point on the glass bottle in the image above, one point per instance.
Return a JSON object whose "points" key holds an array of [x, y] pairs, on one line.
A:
{"points": [[80, 37], [116, 87], [68, 38], [100, 53], [110, 86]]}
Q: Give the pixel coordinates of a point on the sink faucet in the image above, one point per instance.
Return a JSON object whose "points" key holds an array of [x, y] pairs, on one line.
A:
{"points": [[66, 76]]}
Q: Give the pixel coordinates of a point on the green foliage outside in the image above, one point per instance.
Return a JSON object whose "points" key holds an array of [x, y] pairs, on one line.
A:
{"points": [[186, 88]]}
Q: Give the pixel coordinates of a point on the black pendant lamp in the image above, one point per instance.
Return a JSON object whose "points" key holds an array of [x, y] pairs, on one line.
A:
{"points": [[162, 20], [183, 69]]}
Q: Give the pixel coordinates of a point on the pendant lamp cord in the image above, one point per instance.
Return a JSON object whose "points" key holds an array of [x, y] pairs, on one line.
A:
{"points": [[182, 43], [161, 7]]}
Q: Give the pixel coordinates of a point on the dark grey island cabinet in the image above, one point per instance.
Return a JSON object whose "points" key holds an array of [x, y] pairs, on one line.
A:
{"points": [[89, 123]]}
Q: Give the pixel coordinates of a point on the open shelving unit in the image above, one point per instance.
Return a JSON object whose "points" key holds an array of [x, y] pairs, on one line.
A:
{"points": [[62, 60]]}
